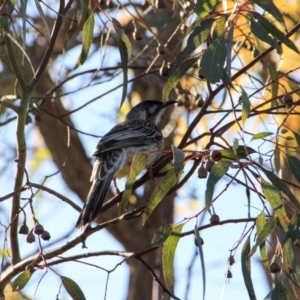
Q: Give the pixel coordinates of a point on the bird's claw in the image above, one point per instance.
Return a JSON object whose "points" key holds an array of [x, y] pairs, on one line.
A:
{"points": [[117, 192], [150, 172]]}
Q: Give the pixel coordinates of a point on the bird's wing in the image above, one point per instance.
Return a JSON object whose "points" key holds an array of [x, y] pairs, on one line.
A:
{"points": [[128, 134]]}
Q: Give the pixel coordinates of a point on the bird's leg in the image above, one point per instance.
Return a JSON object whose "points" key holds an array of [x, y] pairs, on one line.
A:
{"points": [[117, 191], [150, 172]]}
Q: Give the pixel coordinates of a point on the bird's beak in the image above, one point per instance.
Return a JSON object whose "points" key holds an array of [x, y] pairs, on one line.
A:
{"points": [[169, 102]]}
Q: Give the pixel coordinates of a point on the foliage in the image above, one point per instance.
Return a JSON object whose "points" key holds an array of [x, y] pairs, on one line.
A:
{"points": [[231, 65]]}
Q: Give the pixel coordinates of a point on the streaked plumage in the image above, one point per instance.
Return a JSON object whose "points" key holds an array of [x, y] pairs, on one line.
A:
{"points": [[115, 151]]}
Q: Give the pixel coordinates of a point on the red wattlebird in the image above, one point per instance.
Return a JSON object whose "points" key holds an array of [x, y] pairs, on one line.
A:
{"points": [[115, 151]]}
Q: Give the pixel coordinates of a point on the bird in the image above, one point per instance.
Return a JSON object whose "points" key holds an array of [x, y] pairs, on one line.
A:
{"points": [[116, 149]]}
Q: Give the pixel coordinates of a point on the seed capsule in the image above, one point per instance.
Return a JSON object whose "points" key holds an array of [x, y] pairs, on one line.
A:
{"points": [[200, 74], [23, 229], [164, 71], [30, 238], [38, 229], [202, 172], [161, 50], [137, 36], [46, 236], [196, 242], [274, 267], [229, 274], [200, 102], [288, 100], [216, 155], [231, 260], [214, 219]]}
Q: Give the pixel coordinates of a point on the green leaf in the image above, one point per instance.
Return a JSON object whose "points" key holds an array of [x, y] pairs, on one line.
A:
{"points": [[277, 159], [19, 46], [294, 225], [297, 137], [195, 40], [24, 21], [11, 4], [294, 87], [168, 254], [260, 135], [246, 269], [72, 288], [289, 259], [261, 33], [260, 223], [227, 80], [274, 31], [20, 282], [273, 197], [175, 76], [235, 146], [281, 292], [228, 44], [216, 173], [199, 245], [289, 138], [43, 18], [178, 156], [265, 231], [213, 60], [204, 7], [162, 189], [87, 36], [79, 12], [276, 181], [294, 164], [268, 296], [161, 235], [270, 7], [125, 52], [220, 27], [240, 152], [246, 106], [139, 163]]}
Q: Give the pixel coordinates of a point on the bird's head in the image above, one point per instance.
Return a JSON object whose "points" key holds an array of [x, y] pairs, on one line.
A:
{"points": [[147, 110]]}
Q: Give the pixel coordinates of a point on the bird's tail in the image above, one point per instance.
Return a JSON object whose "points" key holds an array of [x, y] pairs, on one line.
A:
{"points": [[96, 195]]}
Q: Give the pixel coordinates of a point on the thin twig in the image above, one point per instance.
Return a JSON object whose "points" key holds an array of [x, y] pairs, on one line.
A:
{"points": [[56, 194], [49, 50]]}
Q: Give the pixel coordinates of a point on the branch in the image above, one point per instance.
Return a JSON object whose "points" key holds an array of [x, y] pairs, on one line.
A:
{"points": [[6, 101], [49, 50], [56, 194], [21, 145], [20, 190], [229, 221], [21, 152]]}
